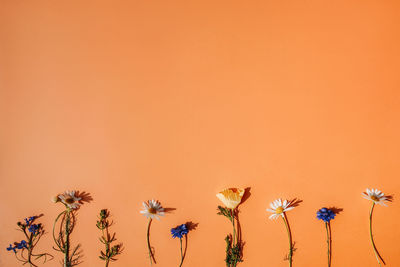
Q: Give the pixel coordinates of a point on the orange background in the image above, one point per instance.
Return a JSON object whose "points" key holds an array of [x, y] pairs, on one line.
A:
{"points": [[175, 100]]}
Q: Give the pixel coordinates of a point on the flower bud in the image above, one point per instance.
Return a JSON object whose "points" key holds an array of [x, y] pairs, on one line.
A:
{"points": [[55, 199]]}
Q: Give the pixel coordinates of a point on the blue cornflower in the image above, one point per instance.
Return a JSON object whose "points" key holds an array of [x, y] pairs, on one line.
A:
{"points": [[179, 231], [12, 248], [22, 245], [326, 214], [34, 228]]}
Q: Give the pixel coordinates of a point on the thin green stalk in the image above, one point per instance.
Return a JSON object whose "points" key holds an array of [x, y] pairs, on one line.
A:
{"points": [[21, 258], [233, 225], [30, 245], [328, 241], [54, 228], [148, 243], [29, 249], [235, 238], [377, 255], [67, 262], [105, 237], [180, 240], [290, 239]]}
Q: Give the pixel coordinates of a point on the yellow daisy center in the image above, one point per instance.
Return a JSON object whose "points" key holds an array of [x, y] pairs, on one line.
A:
{"points": [[69, 200], [152, 211], [375, 198], [279, 210]]}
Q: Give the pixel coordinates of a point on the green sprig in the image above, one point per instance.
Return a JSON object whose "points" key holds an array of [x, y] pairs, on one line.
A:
{"points": [[111, 251], [233, 244], [225, 212]]}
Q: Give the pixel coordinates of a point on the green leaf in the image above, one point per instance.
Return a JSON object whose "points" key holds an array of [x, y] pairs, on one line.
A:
{"points": [[225, 212]]}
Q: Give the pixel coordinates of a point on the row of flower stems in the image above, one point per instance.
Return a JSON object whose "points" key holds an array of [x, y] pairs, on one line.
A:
{"points": [[65, 223]]}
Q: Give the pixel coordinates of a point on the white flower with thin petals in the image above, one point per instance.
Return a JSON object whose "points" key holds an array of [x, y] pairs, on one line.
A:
{"points": [[279, 207], [152, 209], [378, 197], [70, 200]]}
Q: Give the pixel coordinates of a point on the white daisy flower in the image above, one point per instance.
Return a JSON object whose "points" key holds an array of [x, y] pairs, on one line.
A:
{"points": [[279, 207], [70, 200], [152, 209], [378, 197]]}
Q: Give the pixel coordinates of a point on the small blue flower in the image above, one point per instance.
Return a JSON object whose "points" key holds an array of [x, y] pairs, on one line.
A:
{"points": [[34, 228], [12, 248], [29, 220], [22, 244], [325, 214], [179, 231]]}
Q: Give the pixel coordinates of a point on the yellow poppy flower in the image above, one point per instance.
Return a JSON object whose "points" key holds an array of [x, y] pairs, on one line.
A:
{"points": [[231, 197]]}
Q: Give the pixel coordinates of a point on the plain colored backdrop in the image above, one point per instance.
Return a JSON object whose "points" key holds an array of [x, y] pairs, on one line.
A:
{"points": [[175, 100]]}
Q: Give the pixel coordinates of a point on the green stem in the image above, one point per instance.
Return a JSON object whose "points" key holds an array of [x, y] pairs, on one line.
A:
{"points": [[30, 248], [54, 228], [328, 241], [290, 238], [151, 256], [378, 257], [180, 240], [67, 262], [235, 238], [233, 225], [107, 244], [30, 245]]}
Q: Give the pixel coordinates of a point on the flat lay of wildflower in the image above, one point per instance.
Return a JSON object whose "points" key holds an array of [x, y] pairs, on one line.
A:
{"points": [[111, 251], [231, 198], [152, 209], [65, 223], [279, 208], [23, 250], [327, 215], [376, 197], [179, 232]]}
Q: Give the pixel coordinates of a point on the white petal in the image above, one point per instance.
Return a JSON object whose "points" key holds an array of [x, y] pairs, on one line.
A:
{"points": [[367, 197]]}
